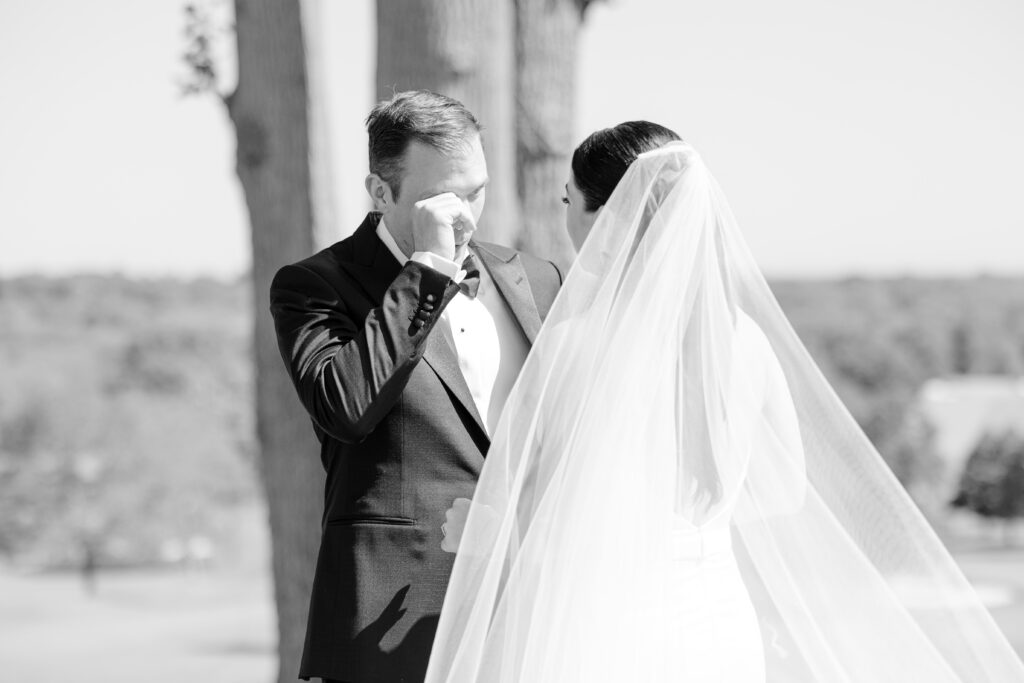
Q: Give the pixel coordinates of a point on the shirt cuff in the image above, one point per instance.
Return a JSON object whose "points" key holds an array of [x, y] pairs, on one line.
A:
{"points": [[439, 263]]}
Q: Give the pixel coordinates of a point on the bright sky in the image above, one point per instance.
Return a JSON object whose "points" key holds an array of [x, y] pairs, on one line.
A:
{"points": [[875, 137]]}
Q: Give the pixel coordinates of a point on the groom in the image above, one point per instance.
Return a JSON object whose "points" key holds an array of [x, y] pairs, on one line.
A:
{"points": [[403, 342]]}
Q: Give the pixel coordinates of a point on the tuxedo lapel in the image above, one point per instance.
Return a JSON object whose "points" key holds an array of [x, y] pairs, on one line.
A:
{"points": [[375, 268], [440, 355], [507, 271]]}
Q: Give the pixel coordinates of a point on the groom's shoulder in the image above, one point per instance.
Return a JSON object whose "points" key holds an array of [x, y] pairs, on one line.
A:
{"points": [[330, 263], [538, 270], [323, 266]]}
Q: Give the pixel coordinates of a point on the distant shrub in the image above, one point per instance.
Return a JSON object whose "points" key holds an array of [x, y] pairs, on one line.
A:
{"points": [[992, 484]]}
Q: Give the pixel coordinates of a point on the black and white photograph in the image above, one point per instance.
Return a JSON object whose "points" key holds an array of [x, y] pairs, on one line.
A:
{"points": [[512, 341]]}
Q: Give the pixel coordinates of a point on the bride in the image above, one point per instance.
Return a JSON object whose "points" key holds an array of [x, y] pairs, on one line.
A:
{"points": [[674, 492]]}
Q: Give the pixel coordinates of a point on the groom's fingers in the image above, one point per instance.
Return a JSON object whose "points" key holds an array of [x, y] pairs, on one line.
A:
{"points": [[448, 546], [442, 224], [456, 212], [433, 224], [454, 523], [464, 223]]}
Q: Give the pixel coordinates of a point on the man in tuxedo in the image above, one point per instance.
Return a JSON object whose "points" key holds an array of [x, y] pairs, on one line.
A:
{"points": [[403, 342]]}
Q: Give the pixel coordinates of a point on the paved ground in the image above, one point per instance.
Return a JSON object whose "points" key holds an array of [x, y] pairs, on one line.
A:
{"points": [[172, 627]]}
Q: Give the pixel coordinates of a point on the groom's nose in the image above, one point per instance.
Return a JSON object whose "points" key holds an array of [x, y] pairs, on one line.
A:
{"points": [[469, 211]]}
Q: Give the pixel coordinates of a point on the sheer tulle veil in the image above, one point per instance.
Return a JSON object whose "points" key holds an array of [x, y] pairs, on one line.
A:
{"points": [[668, 397]]}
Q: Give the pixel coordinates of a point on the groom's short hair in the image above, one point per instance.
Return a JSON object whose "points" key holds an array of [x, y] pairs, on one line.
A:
{"points": [[442, 122]]}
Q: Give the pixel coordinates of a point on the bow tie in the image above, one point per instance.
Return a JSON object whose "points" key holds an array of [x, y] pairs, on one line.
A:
{"points": [[470, 284]]}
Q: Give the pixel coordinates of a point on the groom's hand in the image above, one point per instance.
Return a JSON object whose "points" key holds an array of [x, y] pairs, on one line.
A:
{"points": [[441, 224], [455, 521]]}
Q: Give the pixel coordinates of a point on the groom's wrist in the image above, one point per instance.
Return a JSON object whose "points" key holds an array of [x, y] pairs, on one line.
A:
{"points": [[421, 293], [439, 263]]}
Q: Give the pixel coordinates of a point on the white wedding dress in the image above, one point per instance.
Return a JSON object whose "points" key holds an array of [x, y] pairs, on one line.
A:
{"points": [[674, 493], [706, 622]]}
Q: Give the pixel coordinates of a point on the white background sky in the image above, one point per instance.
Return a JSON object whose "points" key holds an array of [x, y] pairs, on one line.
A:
{"points": [[870, 137]]}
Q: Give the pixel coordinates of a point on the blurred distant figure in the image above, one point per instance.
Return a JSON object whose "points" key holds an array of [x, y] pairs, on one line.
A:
{"points": [[89, 566]]}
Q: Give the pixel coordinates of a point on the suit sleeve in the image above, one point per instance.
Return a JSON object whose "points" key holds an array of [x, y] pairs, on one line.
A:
{"points": [[349, 373]]}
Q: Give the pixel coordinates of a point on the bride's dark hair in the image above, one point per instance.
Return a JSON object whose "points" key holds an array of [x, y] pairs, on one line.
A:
{"points": [[601, 160]]}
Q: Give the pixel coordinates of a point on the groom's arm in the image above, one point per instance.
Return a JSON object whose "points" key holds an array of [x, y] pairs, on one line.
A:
{"points": [[350, 372]]}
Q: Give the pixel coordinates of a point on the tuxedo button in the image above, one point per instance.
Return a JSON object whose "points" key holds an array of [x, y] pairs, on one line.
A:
{"points": [[423, 315], [431, 298], [427, 307], [418, 323]]}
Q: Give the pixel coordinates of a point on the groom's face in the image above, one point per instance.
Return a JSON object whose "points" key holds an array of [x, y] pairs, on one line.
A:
{"points": [[429, 172]]}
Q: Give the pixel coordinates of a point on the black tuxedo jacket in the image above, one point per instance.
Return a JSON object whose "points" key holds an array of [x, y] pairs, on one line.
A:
{"points": [[400, 439]]}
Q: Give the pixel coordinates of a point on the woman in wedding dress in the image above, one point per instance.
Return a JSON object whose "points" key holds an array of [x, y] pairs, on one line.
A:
{"points": [[674, 492]]}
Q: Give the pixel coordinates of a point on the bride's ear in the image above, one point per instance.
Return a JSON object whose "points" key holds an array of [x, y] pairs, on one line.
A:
{"points": [[380, 192]]}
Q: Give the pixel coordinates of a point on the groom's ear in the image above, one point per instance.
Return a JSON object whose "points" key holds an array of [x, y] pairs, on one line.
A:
{"points": [[380, 192]]}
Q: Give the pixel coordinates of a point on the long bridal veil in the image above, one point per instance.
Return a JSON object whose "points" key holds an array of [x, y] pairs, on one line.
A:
{"points": [[668, 409]]}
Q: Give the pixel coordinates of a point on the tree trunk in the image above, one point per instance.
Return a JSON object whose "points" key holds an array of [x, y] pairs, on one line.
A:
{"points": [[546, 37], [463, 49], [269, 112]]}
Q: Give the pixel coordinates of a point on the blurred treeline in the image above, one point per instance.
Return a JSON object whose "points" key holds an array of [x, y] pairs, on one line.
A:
{"points": [[126, 405], [878, 340], [125, 416]]}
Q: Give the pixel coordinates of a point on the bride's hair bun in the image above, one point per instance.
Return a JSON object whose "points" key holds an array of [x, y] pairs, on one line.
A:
{"points": [[601, 160]]}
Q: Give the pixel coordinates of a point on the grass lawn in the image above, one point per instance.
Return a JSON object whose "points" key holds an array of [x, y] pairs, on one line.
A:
{"points": [[155, 626], [999, 573], [175, 627]]}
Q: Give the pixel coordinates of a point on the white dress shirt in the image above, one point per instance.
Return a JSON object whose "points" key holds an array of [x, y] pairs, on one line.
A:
{"points": [[490, 344]]}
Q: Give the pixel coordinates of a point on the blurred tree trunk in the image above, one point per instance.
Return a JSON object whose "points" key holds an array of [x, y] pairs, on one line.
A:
{"points": [[546, 39], [463, 49], [269, 113]]}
